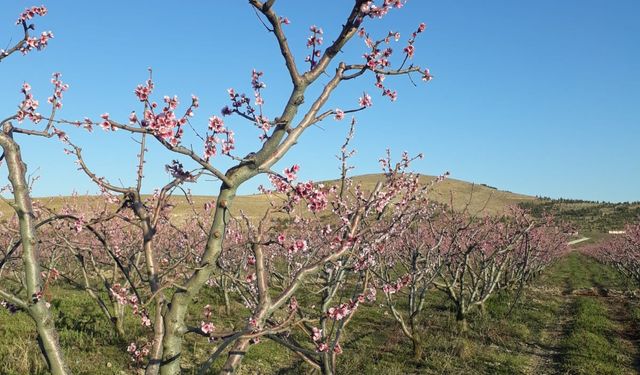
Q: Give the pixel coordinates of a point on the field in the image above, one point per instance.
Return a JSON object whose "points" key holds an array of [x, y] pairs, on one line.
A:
{"points": [[580, 317]]}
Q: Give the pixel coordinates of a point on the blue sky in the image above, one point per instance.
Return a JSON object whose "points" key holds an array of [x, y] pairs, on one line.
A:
{"points": [[538, 97]]}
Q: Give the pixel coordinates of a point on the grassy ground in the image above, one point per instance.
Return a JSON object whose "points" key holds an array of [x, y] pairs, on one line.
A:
{"points": [[576, 319]]}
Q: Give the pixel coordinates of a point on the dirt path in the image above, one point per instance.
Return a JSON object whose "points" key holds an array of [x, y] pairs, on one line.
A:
{"points": [[546, 355], [569, 283], [574, 242]]}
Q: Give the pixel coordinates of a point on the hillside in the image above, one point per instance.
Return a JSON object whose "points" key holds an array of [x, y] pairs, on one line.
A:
{"points": [[587, 216], [480, 198]]}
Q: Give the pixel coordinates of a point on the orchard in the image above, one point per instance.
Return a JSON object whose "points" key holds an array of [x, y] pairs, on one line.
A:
{"points": [[304, 274]]}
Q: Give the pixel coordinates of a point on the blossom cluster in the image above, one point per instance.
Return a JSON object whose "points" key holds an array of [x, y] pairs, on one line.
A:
{"points": [[373, 11], [410, 49], [399, 284], [53, 274], [314, 195], [313, 42], [297, 245], [379, 59], [166, 124], [262, 122], [345, 309], [37, 43], [28, 106], [321, 345], [30, 13], [217, 128], [59, 88], [241, 104], [121, 295], [138, 354], [284, 20]]}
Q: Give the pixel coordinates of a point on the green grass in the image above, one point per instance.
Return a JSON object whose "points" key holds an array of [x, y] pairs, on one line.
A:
{"points": [[590, 347], [585, 330], [85, 336], [577, 271]]}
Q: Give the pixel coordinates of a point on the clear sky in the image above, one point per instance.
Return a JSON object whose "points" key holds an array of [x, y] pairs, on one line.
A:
{"points": [[536, 97]]}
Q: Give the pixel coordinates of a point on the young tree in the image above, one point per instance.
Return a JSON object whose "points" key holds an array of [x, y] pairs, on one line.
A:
{"points": [[407, 270], [149, 215], [33, 303], [476, 253], [277, 135], [328, 254]]}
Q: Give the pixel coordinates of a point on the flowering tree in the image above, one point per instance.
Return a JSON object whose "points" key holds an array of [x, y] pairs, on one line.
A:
{"points": [[150, 216], [543, 244], [277, 135], [407, 270], [467, 258], [167, 127], [476, 252], [27, 244], [621, 251], [326, 254]]}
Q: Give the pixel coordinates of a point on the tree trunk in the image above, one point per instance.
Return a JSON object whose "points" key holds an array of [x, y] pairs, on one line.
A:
{"points": [[225, 294], [37, 306], [174, 319], [236, 355], [119, 325], [155, 355], [326, 364], [483, 309], [461, 318], [118, 318], [418, 348]]}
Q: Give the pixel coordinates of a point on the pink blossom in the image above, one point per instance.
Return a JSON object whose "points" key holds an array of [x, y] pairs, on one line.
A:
{"points": [[300, 245], [145, 319], [105, 124], [293, 304], [207, 327], [290, 173], [365, 100], [206, 311], [317, 334], [216, 124], [409, 50], [143, 91], [284, 20], [251, 260], [337, 349], [426, 76], [29, 13]]}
